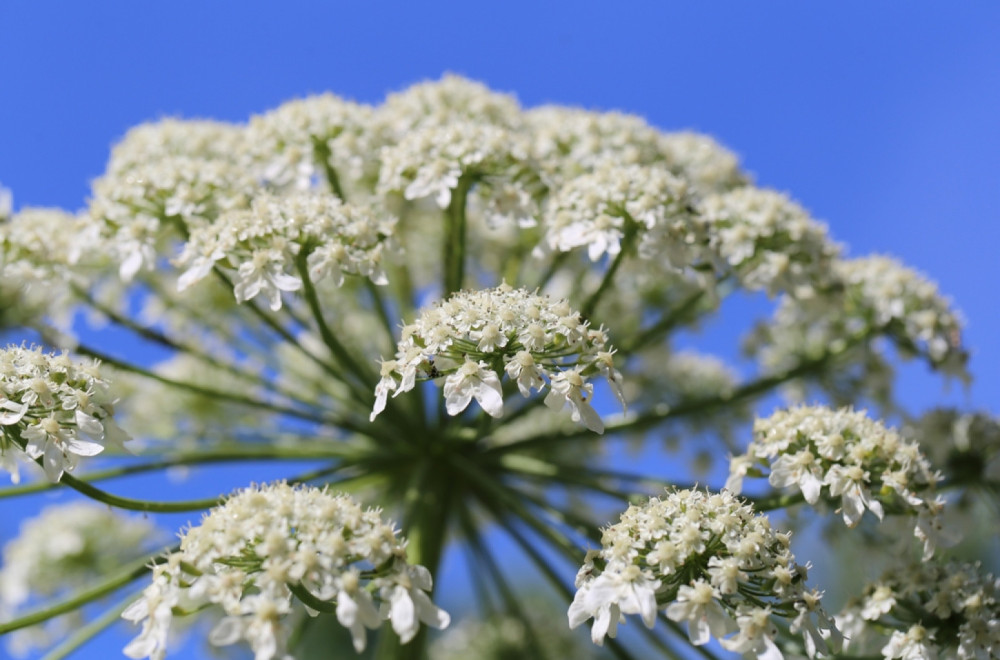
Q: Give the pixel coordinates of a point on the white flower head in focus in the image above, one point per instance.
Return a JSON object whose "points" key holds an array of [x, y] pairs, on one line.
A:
{"points": [[769, 241], [708, 561], [846, 458], [475, 337], [53, 409], [615, 203], [296, 546], [435, 161]]}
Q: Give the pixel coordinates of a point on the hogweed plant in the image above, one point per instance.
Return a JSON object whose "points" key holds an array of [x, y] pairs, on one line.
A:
{"points": [[468, 315]]}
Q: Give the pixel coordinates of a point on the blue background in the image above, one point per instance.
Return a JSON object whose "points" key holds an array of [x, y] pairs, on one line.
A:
{"points": [[882, 118]]}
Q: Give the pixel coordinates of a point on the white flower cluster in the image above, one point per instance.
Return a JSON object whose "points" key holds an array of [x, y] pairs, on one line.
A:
{"points": [[270, 546], [67, 546], [263, 243], [188, 171], [599, 210], [443, 102], [871, 296], [43, 251], [430, 161], [53, 409], [475, 337], [37, 243], [704, 163], [295, 142], [568, 142], [859, 462], [709, 561], [904, 301], [933, 610], [769, 241]]}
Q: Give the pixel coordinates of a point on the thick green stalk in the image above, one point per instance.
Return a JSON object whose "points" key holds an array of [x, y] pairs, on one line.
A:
{"points": [[456, 226], [428, 502]]}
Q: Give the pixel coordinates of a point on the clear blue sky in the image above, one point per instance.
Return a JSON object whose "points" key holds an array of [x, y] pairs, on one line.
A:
{"points": [[882, 118]]}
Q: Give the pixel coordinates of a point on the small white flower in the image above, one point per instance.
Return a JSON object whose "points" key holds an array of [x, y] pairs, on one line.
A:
{"points": [[473, 379], [569, 388], [917, 643], [410, 605], [698, 606]]}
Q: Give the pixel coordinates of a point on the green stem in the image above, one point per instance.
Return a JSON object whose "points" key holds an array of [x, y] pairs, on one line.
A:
{"points": [[775, 501], [557, 261], [131, 572], [160, 338], [130, 504], [378, 302], [357, 384], [454, 240], [210, 392], [489, 491], [322, 150], [609, 276], [243, 453], [280, 330], [83, 635], [485, 558], [667, 322], [550, 574], [429, 500]]}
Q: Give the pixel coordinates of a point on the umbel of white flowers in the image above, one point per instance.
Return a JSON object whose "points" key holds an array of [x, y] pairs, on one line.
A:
{"points": [[849, 460], [928, 610], [53, 409], [475, 337], [709, 561], [301, 549]]}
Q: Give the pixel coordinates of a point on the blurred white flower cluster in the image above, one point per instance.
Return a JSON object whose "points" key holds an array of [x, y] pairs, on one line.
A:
{"points": [[868, 295], [926, 611], [474, 337], [66, 547], [53, 409], [859, 462], [272, 546], [164, 172], [263, 243], [709, 561], [293, 145]]}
